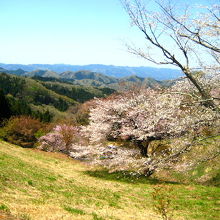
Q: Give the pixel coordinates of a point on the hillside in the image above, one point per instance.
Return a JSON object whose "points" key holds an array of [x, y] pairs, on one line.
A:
{"points": [[42, 73], [80, 93], [38, 185], [79, 75], [19, 71], [35, 95]]}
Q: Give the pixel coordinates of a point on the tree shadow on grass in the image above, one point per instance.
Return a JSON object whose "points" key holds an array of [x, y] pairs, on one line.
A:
{"points": [[125, 177]]}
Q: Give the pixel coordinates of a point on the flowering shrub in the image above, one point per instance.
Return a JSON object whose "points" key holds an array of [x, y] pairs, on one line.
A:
{"points": [[60, 138]]}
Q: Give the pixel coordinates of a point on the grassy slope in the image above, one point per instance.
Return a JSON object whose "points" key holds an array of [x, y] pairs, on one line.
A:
{"points": [[39, 185]]}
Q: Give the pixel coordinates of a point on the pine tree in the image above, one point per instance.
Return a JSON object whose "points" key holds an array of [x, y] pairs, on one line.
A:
{"points": [[4, 107]]}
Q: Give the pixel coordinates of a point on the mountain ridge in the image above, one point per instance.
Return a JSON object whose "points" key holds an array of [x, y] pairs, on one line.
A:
{"points": [[89, 78], [109, 70]]}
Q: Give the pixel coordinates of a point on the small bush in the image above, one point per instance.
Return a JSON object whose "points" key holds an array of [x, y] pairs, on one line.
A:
{"points": [[60, 138], [4, 207], [163, 201], [30, 182], [22, 131]]}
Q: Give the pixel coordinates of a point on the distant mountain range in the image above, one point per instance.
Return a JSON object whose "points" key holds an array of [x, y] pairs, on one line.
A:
{"points": [[89, 78], [46, 94], [108, 70]]}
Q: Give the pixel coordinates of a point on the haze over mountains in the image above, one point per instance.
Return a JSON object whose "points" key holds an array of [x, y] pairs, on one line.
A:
{"points": [[108, 70], [90, 78]]}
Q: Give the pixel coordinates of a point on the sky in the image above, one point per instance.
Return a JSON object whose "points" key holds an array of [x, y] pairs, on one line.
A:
{"points": [[77, 32]]}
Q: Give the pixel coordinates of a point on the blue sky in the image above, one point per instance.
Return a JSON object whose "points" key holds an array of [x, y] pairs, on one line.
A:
{"points": [[67, 31]]}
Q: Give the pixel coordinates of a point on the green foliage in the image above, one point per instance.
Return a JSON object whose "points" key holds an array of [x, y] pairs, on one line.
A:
{"points": [[79, 93], [5, 111], [41, 132], [4, 207], [18, 106], [30, 182], [21, 107], [13, 85], [81, 75], [44, 116], [23, 93], [37, 94]]}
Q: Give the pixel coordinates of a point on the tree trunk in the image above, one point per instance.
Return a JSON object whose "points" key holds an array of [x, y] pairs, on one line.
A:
{"points": [[148, 172], [143, 145], [208, 100]]}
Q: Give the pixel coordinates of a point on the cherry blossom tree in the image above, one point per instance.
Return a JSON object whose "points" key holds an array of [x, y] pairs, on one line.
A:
{"points": [[144, 116], [183, 38], [147, 115], [138, 117]]}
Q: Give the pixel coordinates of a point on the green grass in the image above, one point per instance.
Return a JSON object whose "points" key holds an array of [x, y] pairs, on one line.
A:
{"points": [[4, 207], [74, 210], [39, 185]]}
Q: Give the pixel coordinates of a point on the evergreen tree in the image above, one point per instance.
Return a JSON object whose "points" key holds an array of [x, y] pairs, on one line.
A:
{"points": [[4, 107]]}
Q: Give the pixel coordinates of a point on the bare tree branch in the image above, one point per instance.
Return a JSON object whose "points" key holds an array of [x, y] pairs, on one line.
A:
{"points": [[180, 34]]}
